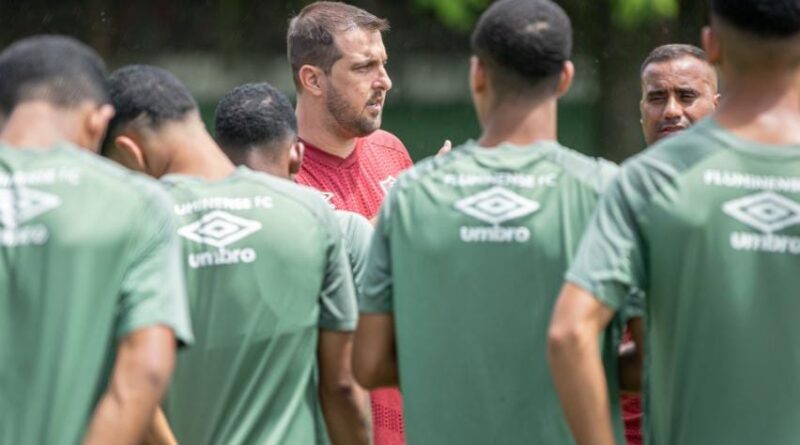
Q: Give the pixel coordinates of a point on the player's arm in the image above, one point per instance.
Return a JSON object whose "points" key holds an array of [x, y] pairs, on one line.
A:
{"points": [[631, 359], [144, 363], [160, 432], [574, 352], [345, 404], [375, 356]]}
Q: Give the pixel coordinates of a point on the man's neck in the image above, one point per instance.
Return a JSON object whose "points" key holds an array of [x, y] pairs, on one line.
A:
{"points": [[763, 109], [316, 127], [195, 153], [40, 125], [520, 125]]}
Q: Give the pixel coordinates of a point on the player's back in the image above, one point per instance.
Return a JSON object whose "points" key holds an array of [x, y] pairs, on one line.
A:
{"points": [[480, 241], [710, 232], [257, 252], [74, 229]]}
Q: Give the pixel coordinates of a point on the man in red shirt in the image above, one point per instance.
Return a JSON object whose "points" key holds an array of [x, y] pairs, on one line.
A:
{"points": [[338, 64]]}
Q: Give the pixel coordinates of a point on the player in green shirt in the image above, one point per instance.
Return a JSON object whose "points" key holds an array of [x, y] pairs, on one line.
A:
{"points": [[706, 223], [470, 248], [267, 277], [92, 297], [255, 126]]}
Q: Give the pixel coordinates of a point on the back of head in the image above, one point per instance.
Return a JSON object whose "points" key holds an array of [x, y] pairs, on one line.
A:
{"points": [[55, 69], [254, 115], [148, 97], [762, 18], [524, 45], [311, 36]]}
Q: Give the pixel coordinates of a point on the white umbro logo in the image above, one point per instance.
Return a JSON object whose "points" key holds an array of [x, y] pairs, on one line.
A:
{"points": [[24, 204], [765, 211], [497, 205], [387, 183], [219, 229]]}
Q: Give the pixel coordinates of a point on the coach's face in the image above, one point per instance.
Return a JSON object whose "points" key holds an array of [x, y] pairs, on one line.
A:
{"points": [[675, 95], [358, 82]]}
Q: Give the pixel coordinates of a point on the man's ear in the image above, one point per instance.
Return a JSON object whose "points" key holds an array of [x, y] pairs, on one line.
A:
{"points": [[565, 78], [127, 152], [311, 78], [716, 100], [96, 124], [478, 80], [711, 45], [296, 153]]}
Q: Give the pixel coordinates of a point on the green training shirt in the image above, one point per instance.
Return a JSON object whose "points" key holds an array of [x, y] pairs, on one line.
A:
{"points": [[707, 225], [266, 270], [357, 232], [469, 256], [88, 255]]}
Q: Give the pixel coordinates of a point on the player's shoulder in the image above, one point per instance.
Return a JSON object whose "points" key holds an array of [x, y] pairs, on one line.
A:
{"points": [[385, 140], [352, 223], [117, 183], [674, 155], [594, 172], [432, 166], [306, 198]]}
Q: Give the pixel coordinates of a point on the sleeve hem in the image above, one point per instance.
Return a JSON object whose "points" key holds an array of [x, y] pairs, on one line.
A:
{"points": [[613, 304], [338, 325], [183, 338]]}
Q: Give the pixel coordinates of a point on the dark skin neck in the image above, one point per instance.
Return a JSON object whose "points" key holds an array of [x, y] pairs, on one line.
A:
{"points": [[520, 123], [764, 108], [193, 152], [41, 125]]}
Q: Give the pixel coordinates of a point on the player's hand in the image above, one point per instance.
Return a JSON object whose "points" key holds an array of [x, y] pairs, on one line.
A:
{"points": [[445, 148]]}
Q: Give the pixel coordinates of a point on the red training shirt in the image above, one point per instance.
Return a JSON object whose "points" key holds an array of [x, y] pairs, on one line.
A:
{"points": [[358, 183]]}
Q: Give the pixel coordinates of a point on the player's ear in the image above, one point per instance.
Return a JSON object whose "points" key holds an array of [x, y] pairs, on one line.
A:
{"points": [[311, 78], [716, 100], [96, 124], [296, 153], [127, 152], [711, 45], [565, 78], [477, 75]]}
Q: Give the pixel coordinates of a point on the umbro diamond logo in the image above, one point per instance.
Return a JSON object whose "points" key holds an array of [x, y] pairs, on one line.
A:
{"points": [[219, 229], [765, 211], [497, 205], [23, 204]]}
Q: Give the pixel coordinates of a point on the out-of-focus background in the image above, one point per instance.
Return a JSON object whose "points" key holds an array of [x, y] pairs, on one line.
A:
{"points": [[214, 45]]}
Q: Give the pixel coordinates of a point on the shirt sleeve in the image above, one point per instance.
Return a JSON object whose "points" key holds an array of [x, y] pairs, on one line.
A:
{"points": [[338, 307], [376, 292], [357, 233], [609, 263], [153, 290]]}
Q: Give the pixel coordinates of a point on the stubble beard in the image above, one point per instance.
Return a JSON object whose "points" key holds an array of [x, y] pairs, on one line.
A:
{"points": [[348, 117]]}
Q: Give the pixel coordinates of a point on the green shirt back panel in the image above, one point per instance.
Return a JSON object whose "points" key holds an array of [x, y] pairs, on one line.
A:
{"points": [[707, 225], [88, 254], [265, 271], [469, 255]]}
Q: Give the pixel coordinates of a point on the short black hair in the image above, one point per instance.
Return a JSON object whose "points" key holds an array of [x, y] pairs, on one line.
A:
{"points": [[672, 51], [54, 68], [764, 18], [523, 42], [149, 95], [253, 114]]}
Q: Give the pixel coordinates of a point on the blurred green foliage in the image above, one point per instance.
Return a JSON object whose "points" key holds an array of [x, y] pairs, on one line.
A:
{"points": [[461, 14]]}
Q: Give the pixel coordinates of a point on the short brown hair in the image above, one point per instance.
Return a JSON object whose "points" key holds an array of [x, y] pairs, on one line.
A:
{"points": [[310, 40], [673, 51]]}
